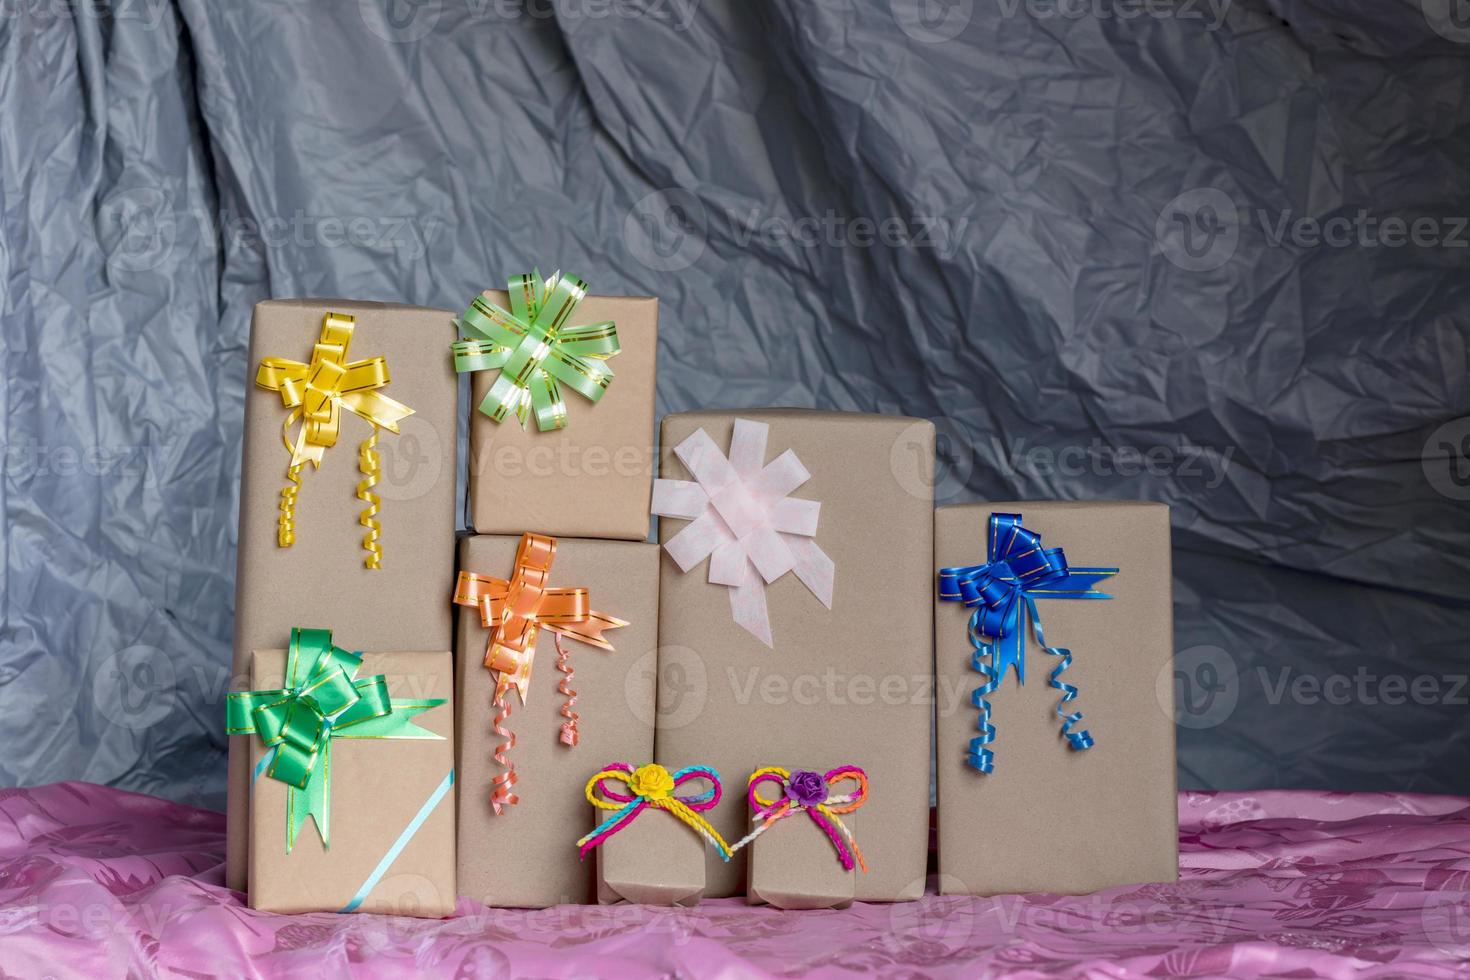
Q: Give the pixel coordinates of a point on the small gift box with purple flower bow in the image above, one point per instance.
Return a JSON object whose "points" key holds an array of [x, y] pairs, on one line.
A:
{"points": [[804, 853]]}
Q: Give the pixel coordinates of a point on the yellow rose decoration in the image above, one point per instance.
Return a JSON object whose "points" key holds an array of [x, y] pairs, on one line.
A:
{"points": [[652, 781]]}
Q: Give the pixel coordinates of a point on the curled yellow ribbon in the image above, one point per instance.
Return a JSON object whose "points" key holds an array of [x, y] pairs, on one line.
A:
{"points": [[317, 393]]}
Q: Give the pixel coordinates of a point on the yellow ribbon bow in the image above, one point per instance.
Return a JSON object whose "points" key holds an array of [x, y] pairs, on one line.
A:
{"points": [[317, 393]]}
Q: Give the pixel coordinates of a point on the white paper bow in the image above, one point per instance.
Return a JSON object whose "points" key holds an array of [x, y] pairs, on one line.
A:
{"points": [[744, 522]]}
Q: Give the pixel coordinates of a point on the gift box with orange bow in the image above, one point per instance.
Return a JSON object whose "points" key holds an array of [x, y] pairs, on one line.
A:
{"points": [[556, 655]]}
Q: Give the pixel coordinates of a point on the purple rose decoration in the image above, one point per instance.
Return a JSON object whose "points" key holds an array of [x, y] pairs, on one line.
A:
{"points": [[807, 788]]}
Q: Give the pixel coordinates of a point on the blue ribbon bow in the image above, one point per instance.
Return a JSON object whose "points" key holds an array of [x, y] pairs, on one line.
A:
{"points": [[1003, 591]]}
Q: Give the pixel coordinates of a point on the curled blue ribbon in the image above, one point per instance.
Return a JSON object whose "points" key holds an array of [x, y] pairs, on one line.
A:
{"points": [[1017, 572]]}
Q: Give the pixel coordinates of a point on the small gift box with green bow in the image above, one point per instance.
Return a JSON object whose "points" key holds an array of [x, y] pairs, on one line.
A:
{"points": [[561, 440], [352, 776]]}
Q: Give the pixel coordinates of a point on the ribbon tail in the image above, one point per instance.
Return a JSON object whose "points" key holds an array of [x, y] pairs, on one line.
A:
{"points": [[314, 801], [748, 606], [981, 758], [1076, 741], [1010, 652]]}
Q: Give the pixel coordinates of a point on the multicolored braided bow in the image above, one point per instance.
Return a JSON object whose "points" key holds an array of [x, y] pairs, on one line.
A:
{"points": [[534, 349], [653, 786], [514, 610], [317, 393], [804, 791], [1003, 592]]}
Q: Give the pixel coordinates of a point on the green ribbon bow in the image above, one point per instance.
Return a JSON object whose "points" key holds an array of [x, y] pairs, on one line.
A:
{"points": [[321, 702], [535, 350]]}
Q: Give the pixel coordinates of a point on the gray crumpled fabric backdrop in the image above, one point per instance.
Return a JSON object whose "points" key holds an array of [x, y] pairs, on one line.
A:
{"points": [[1076, 233]]}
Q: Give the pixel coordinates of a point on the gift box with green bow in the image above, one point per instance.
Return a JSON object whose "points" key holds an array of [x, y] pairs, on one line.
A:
{"points": [[562, 440], [374, 772]]}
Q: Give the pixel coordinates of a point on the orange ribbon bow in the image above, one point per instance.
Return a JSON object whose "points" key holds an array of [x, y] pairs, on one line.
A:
{"points": [[514, 611]]}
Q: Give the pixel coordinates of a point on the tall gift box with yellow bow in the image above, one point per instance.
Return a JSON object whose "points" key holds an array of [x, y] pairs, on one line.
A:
{"points": [[346, 490]]}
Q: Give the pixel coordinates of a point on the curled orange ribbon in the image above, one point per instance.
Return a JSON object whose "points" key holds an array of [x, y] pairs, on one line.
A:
{"points": [[514, 610]]}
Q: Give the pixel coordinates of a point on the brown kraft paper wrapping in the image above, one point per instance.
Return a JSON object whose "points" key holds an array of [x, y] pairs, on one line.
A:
{"points": [[655, 860], [1049, 819], [526, 857], [793, 865], [320, 581], [592, 478], [377, 787], [852, 685]]}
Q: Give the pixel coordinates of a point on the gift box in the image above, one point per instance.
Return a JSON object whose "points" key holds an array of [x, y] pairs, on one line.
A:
{"points": [[625, 873], [590, 477], [525, 856], [380, 835], [1070, 804], [323, 356], [804, 857], [651, 851], [845, 683]]}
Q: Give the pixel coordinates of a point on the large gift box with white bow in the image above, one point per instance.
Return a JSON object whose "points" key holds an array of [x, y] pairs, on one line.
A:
{"points": [[1064, 783], [346, 491], [794, 616]]}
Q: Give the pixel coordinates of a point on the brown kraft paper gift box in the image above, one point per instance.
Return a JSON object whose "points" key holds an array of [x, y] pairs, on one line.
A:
{"points": [[793, 865], [847, 686], [526, 857], [625, 873], [378, 786], [1050, 819], [590, 479], [320, 580]]}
